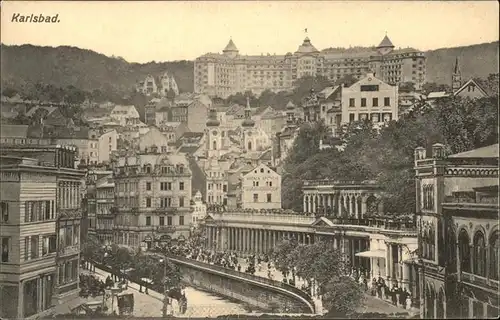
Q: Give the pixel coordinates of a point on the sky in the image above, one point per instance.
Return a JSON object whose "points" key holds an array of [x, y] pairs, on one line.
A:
{"points": [[167, 31]]}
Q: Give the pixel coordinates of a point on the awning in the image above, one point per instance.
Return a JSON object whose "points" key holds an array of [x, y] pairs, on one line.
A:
{"points": [[372, 254]]}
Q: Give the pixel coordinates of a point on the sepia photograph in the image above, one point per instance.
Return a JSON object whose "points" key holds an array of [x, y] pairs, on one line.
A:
{"points": [[249, 159]]}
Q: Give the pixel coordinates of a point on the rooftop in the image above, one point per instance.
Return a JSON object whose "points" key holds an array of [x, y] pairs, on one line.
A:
{"points": [[484, 152]]}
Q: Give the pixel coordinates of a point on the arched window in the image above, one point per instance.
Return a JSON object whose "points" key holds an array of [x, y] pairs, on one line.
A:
{"points": [[214, 145], [479, 254], [464, 249], [494, 247], [249, 145]]}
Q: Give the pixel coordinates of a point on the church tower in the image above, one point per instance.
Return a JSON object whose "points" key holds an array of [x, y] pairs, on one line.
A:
{"points": [[213, 135], [456, 78], [247, 126]]}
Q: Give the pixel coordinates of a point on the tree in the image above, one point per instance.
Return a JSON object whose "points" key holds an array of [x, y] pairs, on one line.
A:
{"points": [[327, 267], [9, 92], [283, 255], [341, 296], [347, 80]]}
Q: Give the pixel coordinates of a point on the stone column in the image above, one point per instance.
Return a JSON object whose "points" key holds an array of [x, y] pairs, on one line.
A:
{"points": [[387, 265], [356, 213], [401, 265], [305, 203], [363, 207], [406, 280]]}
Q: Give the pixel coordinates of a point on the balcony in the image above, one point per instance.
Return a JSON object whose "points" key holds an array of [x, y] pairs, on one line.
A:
{"points": [[165, 210], [167, 229], [476, 280], [69, 250], [70, 213]]}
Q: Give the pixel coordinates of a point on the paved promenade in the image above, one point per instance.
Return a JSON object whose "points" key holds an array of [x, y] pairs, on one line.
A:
{"points": [[200, 303]]}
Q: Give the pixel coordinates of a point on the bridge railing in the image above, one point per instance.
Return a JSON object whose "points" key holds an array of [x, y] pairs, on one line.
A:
{"points": [[251, 277]]}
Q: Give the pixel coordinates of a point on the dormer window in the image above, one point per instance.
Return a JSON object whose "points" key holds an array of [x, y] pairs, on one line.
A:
{"points": [[147, 168]]}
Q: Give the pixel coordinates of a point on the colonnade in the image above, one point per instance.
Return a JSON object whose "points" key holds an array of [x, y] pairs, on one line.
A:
{"points": [[250, 240], [341, 204]]}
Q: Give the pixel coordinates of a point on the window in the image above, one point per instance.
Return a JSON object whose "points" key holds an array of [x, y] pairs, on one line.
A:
{"points": [[26, 248], [165, 186], [162, 221], [387, 102], [494, 247], [5, 249], [48, 244], [76, 234], [69, 235], [369, 88], [255, 197], [352, 102], [181, 169], [351, 117], [375, 102], [464, 251], [148, 221], [224, 188], [181, 201], [148, 169], [363, 102], [181, 185], [479, 254], [148, 202], [181, 220], [268, 197], [169, 221], [4, 208], [166, 202], [148, 186], [34, 247]]}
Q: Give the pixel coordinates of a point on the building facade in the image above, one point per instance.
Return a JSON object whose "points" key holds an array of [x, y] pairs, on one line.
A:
{"points": [[107, 143], [261, 189], [457, 219], [199, 209], [228, 73], [105, 201], [152, 198], [370, 99], [40, 228]]}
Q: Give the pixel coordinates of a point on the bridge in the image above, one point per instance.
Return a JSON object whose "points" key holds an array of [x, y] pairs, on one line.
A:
{"points": [[263, 293]]}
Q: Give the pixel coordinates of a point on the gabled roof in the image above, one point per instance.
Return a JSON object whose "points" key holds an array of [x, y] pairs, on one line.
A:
{"points": [[322, 221], [465, 85], [386, 43], [32, 111], [435, 95], [484, 152]]}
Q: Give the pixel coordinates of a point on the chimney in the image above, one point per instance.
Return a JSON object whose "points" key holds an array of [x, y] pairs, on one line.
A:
{"points": [[438, 151]]}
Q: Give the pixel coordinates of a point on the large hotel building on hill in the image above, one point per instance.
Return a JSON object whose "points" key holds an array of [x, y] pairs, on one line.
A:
{"points": [[228, 73]]}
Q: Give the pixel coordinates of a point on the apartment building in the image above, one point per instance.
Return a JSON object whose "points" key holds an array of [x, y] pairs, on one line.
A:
{"points": [[39, 228], [152, 197], [261, 189], [370, 98]]}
